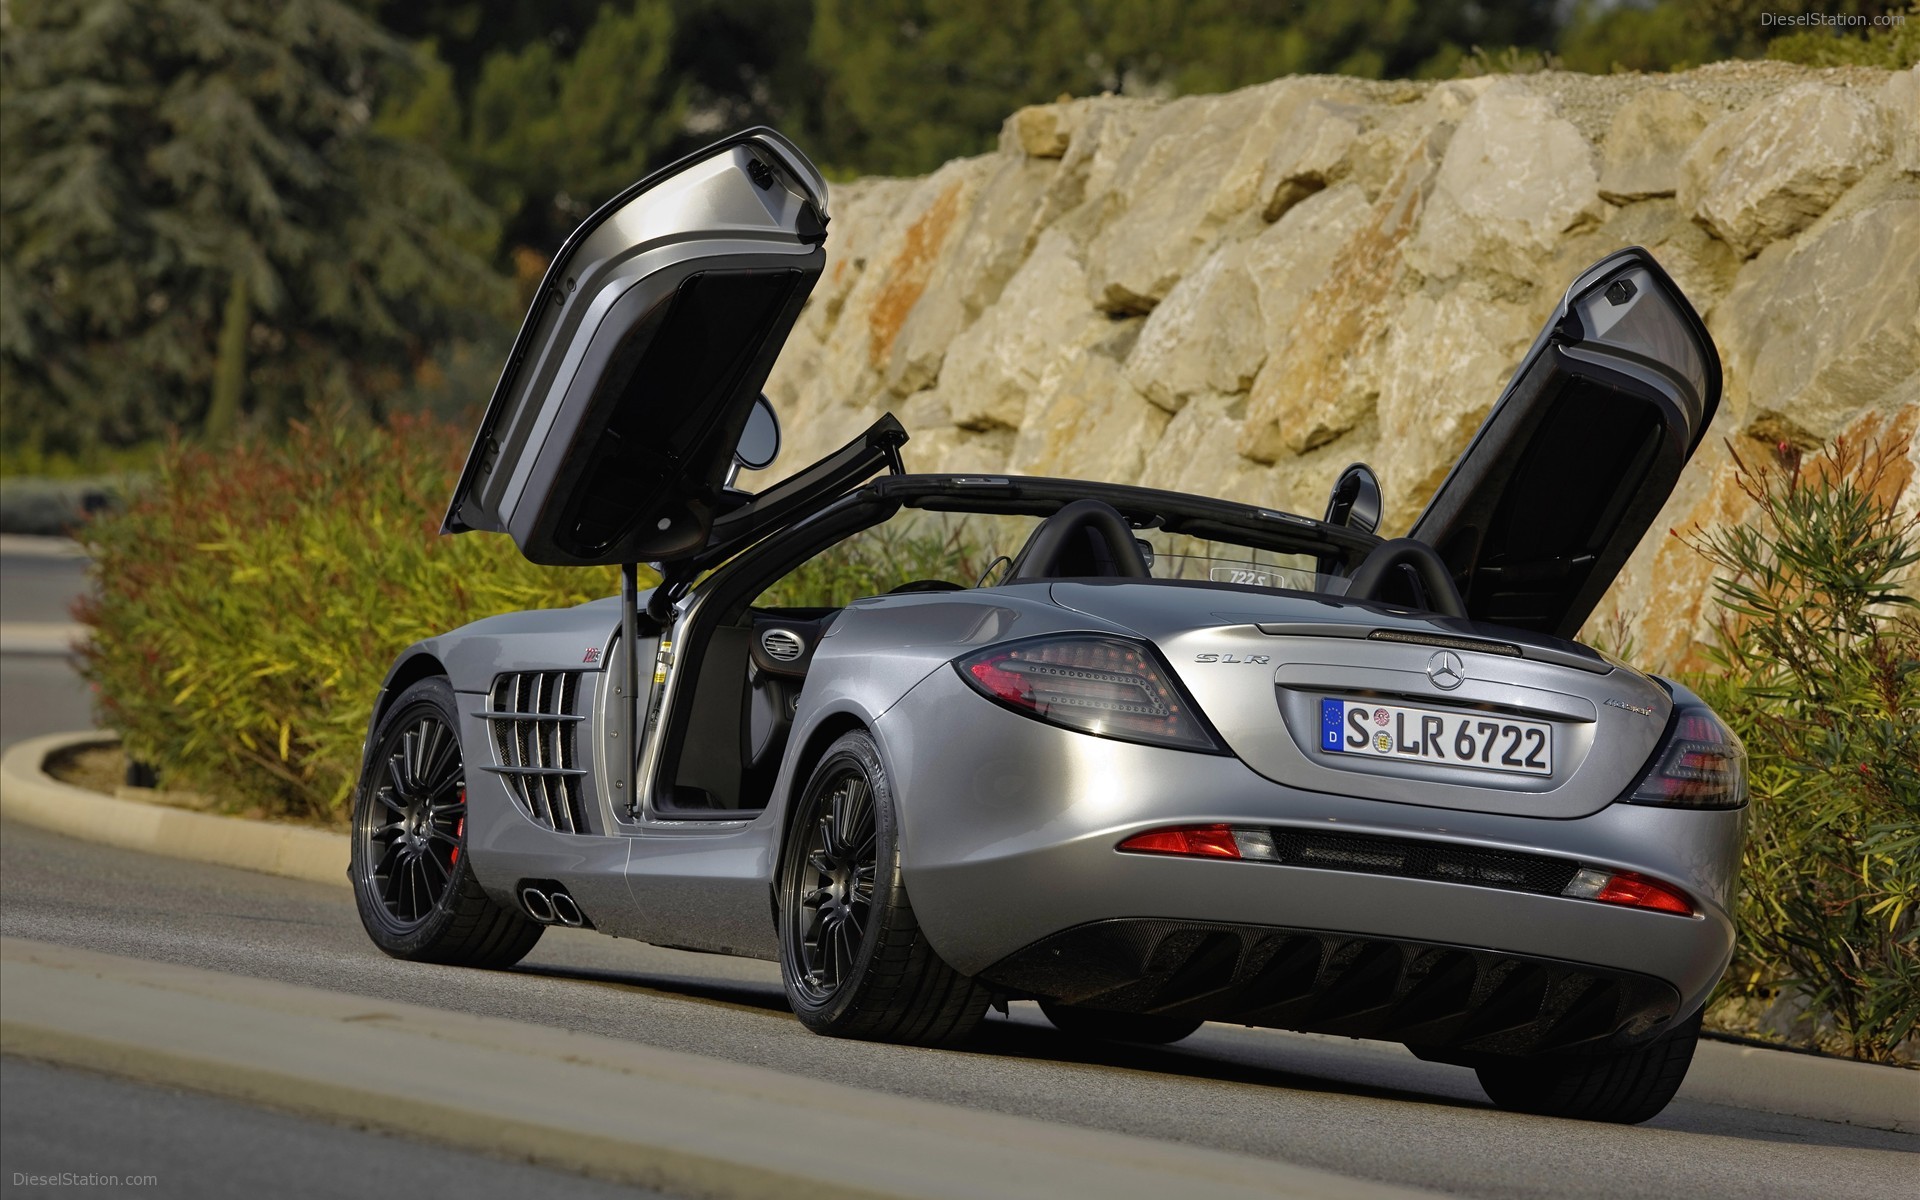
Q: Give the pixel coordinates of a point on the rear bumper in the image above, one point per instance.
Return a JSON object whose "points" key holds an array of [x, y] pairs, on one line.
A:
{"points": [[1008, 835], [1450, 1001]]}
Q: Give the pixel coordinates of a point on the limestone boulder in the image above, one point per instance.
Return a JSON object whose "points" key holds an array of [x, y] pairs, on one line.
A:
{"points": [[1041, 130], [1081, 196], [1104, 296], [1517, 177], [1900, 114], [1179, 182], [1290, 259], [1446, 358], [1768, 170], [1196, 453], [1647, 140], [1319, 384], [1813, 332], [1309, 153], [904, 343], [1205, 337], [1087, 423], [1403, 119], [1040, 325], [995, 234]]}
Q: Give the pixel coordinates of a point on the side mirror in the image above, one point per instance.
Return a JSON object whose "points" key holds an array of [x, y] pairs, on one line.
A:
{"points": [[1355, 500], [759, 442]]}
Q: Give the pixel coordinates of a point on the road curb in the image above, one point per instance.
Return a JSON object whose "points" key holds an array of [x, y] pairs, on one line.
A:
{"points": [[1805, 1085], [29, 795], [678, 1122], [1798, 1085]]}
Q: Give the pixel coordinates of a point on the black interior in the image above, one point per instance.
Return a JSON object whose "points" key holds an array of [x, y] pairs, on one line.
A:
{"points": [[725, 742], [1085, 539], [1407, 572], [661, 424], [1569, 472], [742, 711]]}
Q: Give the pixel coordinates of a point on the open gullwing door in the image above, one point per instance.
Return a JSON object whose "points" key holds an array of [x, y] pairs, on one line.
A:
{"points": [[1581, 450], [612, 431]]}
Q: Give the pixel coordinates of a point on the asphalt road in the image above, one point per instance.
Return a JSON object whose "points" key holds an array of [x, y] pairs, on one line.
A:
{"points": [[1365, 1111], [54, 1118]]}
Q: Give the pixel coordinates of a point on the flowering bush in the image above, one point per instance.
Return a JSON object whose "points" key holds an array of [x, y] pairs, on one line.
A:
{"points": [[252, 598], [1819, 657]]}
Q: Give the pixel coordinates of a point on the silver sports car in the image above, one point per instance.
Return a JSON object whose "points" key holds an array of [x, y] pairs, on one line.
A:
{"points": [[1168, 760]]}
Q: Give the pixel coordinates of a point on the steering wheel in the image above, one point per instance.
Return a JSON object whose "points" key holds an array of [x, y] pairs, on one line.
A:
{"points": [[1387, 559]]}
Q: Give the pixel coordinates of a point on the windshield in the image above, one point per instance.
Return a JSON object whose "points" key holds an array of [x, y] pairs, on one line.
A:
{"points": [[1174, 556]]}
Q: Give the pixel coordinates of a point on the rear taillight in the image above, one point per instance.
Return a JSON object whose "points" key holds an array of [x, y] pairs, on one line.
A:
{"points": [[1192, 841], [1700, 764], [1099, 685], [1627, 888]]}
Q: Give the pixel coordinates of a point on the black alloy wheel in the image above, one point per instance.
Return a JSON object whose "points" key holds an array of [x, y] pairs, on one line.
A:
{"points": [[415, 825], [852, 956], [835, 884], [412, 881]]}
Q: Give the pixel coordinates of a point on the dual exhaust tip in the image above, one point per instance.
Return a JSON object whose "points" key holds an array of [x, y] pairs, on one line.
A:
{"points": [[553, 907]]}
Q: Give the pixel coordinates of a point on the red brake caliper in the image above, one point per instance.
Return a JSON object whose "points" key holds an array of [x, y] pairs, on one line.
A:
{"points": [[459, 829]]}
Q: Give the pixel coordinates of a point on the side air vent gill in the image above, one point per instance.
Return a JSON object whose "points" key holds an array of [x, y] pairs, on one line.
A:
{"points": [[532, 716]]}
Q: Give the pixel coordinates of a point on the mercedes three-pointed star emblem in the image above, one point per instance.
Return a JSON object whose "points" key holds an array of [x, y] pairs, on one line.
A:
{"points": [[1446, 670]]}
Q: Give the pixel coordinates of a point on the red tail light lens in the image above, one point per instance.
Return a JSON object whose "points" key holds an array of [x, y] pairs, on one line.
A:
{"points": [[1701, 764], [1194, 841], [1099, 685], [1629, 889]]}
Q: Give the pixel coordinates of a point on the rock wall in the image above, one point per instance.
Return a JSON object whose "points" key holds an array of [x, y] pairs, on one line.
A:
{"points": [[1238, 295]]}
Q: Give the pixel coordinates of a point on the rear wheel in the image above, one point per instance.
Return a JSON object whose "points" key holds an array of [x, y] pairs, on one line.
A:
{"points": [[852, 956], [1144, 1028], [1628, 1086], [412, 880]]}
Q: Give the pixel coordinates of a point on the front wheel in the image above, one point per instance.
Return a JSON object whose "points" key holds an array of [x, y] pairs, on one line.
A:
{"points": [[412, 881], [852, 956], [1627, 1086]]}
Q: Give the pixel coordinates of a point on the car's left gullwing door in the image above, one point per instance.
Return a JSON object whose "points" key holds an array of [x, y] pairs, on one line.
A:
{"points": [[611, 432], [1580, 451]]}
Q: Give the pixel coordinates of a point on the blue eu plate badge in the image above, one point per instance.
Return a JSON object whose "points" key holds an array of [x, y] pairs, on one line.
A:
{"points": [[1333, 715]]}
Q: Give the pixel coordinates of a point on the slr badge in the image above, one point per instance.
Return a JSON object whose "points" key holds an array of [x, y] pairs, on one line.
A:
{"points": [[1445, 670]]}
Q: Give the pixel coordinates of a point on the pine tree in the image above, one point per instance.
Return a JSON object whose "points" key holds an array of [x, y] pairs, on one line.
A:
{"points": [[165, 156]]}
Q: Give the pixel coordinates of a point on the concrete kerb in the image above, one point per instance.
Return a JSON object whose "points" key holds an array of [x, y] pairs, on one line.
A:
{"points": [[29, 795], [1800, 1085], [679, 1122]]}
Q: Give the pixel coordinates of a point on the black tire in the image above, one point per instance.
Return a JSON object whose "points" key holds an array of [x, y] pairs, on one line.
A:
{"points": [[1627, 1087], [853, 959], [1143, 1028], [412, 880]]}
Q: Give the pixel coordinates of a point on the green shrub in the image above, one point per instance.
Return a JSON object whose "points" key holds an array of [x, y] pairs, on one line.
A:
{"points": [[253, 598], [921, 546], [1819, 673]]}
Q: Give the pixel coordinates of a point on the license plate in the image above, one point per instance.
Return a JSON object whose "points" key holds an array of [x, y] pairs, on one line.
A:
{"points": [[1480, 741]]}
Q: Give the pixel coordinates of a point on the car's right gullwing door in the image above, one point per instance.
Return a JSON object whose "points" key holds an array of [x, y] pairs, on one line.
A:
{"points": [[1583, 447]]}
